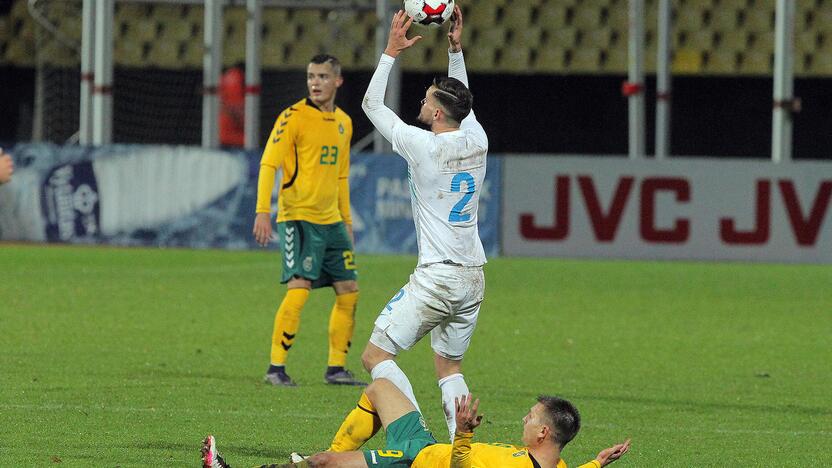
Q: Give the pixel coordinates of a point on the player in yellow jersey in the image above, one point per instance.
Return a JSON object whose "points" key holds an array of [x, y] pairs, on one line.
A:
{"points": [[310, 143], [550, 424]]}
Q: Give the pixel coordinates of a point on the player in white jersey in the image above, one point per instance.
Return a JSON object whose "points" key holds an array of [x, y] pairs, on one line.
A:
{"points": [[446, 170]]}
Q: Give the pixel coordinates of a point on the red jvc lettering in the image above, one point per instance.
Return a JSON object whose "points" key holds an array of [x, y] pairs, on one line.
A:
{"points": [[605, 224], [805, 230]]}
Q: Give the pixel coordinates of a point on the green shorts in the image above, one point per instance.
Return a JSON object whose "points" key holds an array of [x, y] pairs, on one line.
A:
{"points": [[321, 253], [406, 437]]}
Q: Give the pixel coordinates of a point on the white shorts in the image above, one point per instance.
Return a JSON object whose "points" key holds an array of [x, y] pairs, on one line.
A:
{"points": [[439, 298]]}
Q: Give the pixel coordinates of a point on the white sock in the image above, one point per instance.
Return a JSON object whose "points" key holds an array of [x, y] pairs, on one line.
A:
{"points": [[452, 386], [390, 370]]}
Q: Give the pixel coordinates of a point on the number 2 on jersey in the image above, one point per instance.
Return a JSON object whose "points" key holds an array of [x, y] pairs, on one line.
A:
{"points": [[456, 215]]}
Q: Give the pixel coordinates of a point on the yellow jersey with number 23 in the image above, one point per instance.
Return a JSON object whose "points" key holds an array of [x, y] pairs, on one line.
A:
{"points": [[312, 147]]}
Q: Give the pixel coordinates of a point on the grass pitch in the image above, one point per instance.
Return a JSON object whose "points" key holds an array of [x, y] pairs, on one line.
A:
{"points": [[128, 357]]}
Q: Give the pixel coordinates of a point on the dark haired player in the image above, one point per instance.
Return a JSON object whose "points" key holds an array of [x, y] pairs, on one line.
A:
{"points": [[446, 169]]}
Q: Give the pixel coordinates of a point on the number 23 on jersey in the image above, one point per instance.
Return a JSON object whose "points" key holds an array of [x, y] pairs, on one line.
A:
{"points": [[329, 155]]}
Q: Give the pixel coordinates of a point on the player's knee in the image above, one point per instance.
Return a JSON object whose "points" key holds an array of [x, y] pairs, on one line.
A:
{"points": [[322, 460], [345, 287], [372, 390], [368, 360], [378, 389], [373, 355], [298, 282]]}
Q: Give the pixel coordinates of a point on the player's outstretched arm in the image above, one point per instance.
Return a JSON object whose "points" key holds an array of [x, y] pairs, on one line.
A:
{"points": [[608, 455]]}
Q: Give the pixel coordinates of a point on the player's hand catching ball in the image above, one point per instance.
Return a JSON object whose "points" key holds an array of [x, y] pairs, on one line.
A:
{"points": [[398, 41]]}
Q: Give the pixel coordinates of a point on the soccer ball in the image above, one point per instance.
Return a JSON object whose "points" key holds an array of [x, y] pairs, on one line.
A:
{"points": [[429, 12]]}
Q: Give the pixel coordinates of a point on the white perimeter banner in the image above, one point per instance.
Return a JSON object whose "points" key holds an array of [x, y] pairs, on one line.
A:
{"points": [[698, 209]]}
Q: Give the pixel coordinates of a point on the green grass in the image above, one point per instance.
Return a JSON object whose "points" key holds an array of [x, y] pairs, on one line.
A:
{"points": [[127, 357]]}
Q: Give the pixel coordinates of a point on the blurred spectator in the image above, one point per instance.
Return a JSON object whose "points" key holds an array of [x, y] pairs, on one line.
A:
{"points": [[6, 167], [232, 106]]}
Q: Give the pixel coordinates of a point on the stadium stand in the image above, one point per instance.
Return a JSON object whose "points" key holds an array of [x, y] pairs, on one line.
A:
{"points": [[553, 16], [721, 61], [713, 37], [5, 34], [614, 59], [550, 59], [516, 60]]}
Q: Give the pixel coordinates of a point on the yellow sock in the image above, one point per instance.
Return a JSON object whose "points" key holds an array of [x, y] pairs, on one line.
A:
{"points": [[286, 324], [358, 427], [341, 325]]}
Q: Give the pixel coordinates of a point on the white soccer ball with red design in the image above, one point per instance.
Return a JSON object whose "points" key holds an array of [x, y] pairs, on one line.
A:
{"points": [[429, 12]]}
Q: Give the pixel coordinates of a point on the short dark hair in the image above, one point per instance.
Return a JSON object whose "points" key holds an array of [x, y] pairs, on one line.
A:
{"points": [[454, 97], [564, 417], [330, 59]]}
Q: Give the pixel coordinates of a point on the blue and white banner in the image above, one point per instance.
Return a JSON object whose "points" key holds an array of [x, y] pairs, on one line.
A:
{"points": [[193, 197], [126, 195]]}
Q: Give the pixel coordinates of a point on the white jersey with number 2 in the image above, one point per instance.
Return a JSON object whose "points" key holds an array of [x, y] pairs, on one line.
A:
{"points": [[445, 171]]}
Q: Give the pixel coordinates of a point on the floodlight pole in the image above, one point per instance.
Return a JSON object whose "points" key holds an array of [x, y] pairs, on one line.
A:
{"points": [[253, 68], [781, 135], [212, 61], [393, 96], [87, 48], [663, 82], [634, 88], [102, 92]]}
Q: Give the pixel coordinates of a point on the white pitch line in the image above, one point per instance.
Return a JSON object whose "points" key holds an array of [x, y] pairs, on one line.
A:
{"points": [[134, 409], [156, 270]]}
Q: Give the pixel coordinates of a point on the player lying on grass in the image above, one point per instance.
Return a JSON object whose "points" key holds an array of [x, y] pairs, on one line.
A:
{"points": [[550, 424]]}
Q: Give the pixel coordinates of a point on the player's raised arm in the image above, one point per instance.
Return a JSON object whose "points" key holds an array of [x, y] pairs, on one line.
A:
{"points": [[456, 69], [382, 117], [456, 63], [466, 421]]}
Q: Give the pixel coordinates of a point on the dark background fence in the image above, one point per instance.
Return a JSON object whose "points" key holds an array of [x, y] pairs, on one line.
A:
{"points": [[711, 116]]}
